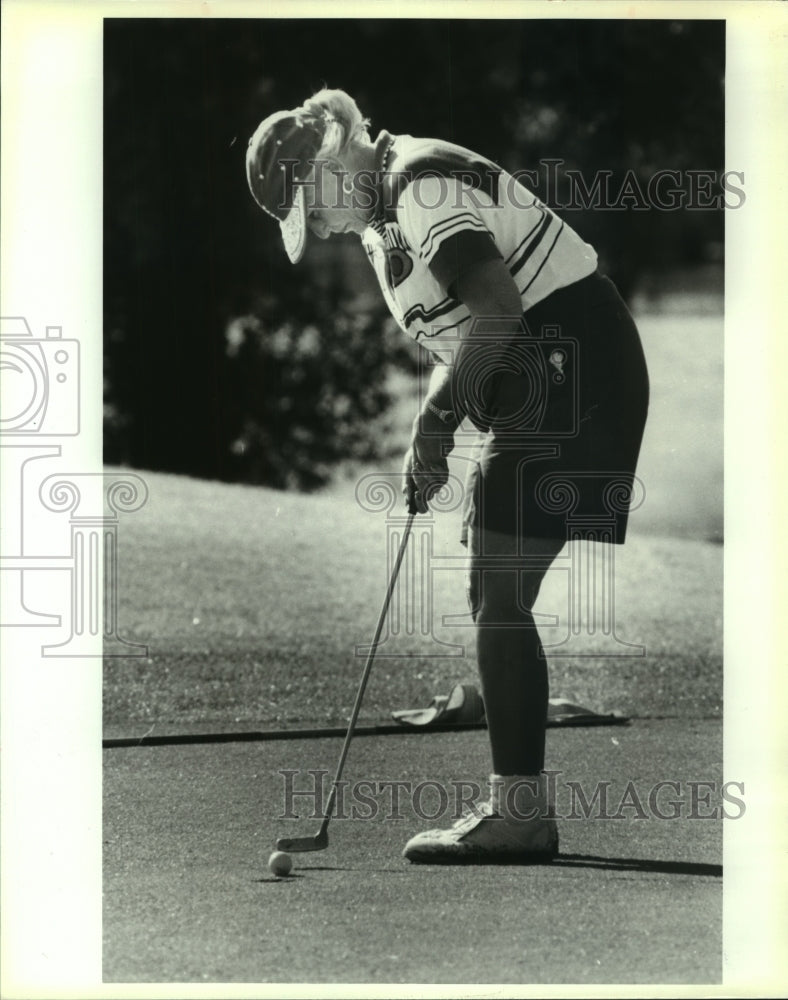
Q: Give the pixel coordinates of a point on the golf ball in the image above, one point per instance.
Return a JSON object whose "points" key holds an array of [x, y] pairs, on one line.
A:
{"points": [[280, 863]]}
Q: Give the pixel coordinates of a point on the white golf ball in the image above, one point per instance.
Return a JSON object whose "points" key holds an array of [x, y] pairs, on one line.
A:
{"points": [[280, 863]]}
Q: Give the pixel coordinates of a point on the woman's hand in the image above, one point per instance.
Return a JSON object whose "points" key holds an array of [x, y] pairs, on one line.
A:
{"points": [[425, 469]]}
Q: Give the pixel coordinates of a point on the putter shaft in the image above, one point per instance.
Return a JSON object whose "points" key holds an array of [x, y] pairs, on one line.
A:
{"points": [[320, 841]]}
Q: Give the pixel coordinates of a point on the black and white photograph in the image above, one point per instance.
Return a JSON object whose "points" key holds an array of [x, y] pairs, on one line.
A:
{"points": [[390, 516]]}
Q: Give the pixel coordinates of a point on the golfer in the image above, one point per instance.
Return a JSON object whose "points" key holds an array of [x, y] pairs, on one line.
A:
{"points": [[534, 348]]}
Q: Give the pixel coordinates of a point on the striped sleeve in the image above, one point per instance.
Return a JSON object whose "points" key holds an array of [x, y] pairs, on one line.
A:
{"points": [[433, 209]]}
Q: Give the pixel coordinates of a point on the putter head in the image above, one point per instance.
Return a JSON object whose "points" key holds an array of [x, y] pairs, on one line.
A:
{"points": [[298, 845]]}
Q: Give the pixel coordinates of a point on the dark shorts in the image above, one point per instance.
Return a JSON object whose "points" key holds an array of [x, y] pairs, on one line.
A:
{"points": [[561, 421]]}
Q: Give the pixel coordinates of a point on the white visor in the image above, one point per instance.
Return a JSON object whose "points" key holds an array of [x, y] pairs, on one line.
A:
{"points": [[294, 226]]}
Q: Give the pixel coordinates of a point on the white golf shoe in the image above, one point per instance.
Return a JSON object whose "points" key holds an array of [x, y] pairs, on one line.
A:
{"points": [[513, 828]]}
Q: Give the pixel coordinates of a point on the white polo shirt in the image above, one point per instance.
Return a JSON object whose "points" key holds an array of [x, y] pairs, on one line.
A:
{"points": [[441, 210]]}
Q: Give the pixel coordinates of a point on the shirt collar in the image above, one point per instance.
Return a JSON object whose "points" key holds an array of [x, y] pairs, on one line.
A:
{"points": [[383, 145]]}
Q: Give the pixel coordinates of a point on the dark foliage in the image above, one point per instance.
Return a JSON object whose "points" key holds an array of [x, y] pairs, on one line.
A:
{"points": [[303, 396]]}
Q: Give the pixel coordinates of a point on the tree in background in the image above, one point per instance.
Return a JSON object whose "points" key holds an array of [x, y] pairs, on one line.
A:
{"points": [[224, 361], [306, 396]]}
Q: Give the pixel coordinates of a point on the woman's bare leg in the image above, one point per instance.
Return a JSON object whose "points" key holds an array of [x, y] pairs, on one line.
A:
{"points": [[504, 581]]}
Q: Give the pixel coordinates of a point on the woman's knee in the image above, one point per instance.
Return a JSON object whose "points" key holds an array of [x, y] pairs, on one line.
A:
{"points": [[505, 575], [501, 593]]}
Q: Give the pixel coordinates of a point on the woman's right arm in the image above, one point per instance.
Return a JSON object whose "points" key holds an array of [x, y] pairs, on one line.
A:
{"points": [[491, 296]]}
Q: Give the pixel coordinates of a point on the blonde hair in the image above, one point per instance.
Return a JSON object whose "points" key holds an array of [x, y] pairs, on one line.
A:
{"points": [[341, 118]]}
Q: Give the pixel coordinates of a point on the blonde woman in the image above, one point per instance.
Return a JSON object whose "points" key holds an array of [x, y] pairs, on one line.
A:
{"points": [[477, 270]]}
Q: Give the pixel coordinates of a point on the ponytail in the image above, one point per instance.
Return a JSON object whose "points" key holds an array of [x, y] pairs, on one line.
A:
{"points": [[341, 118]]}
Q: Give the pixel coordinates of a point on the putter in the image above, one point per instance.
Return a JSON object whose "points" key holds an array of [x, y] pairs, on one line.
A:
{"points": [[320, 841]]}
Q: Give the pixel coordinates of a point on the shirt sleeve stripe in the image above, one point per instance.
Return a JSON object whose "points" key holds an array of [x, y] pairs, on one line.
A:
{"points": [[445, 226], [529, 250], [546, 258], [523, 242]]}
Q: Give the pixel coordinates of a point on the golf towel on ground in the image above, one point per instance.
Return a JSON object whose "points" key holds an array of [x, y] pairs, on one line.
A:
{"points": [[463, 706]]}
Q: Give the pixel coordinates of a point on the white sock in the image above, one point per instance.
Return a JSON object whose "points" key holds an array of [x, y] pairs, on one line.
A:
{"points": [[519, 797]]}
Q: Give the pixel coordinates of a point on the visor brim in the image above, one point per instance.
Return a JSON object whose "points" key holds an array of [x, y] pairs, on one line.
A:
{"points": [[294, 227]]}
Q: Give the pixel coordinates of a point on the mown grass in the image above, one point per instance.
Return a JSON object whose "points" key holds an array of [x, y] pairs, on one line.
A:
{"points": [[252, 601]]}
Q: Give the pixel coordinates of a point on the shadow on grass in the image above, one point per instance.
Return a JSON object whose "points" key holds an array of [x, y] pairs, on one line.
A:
{"points": [[638, 865], [277, 878], [562, 861]]}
